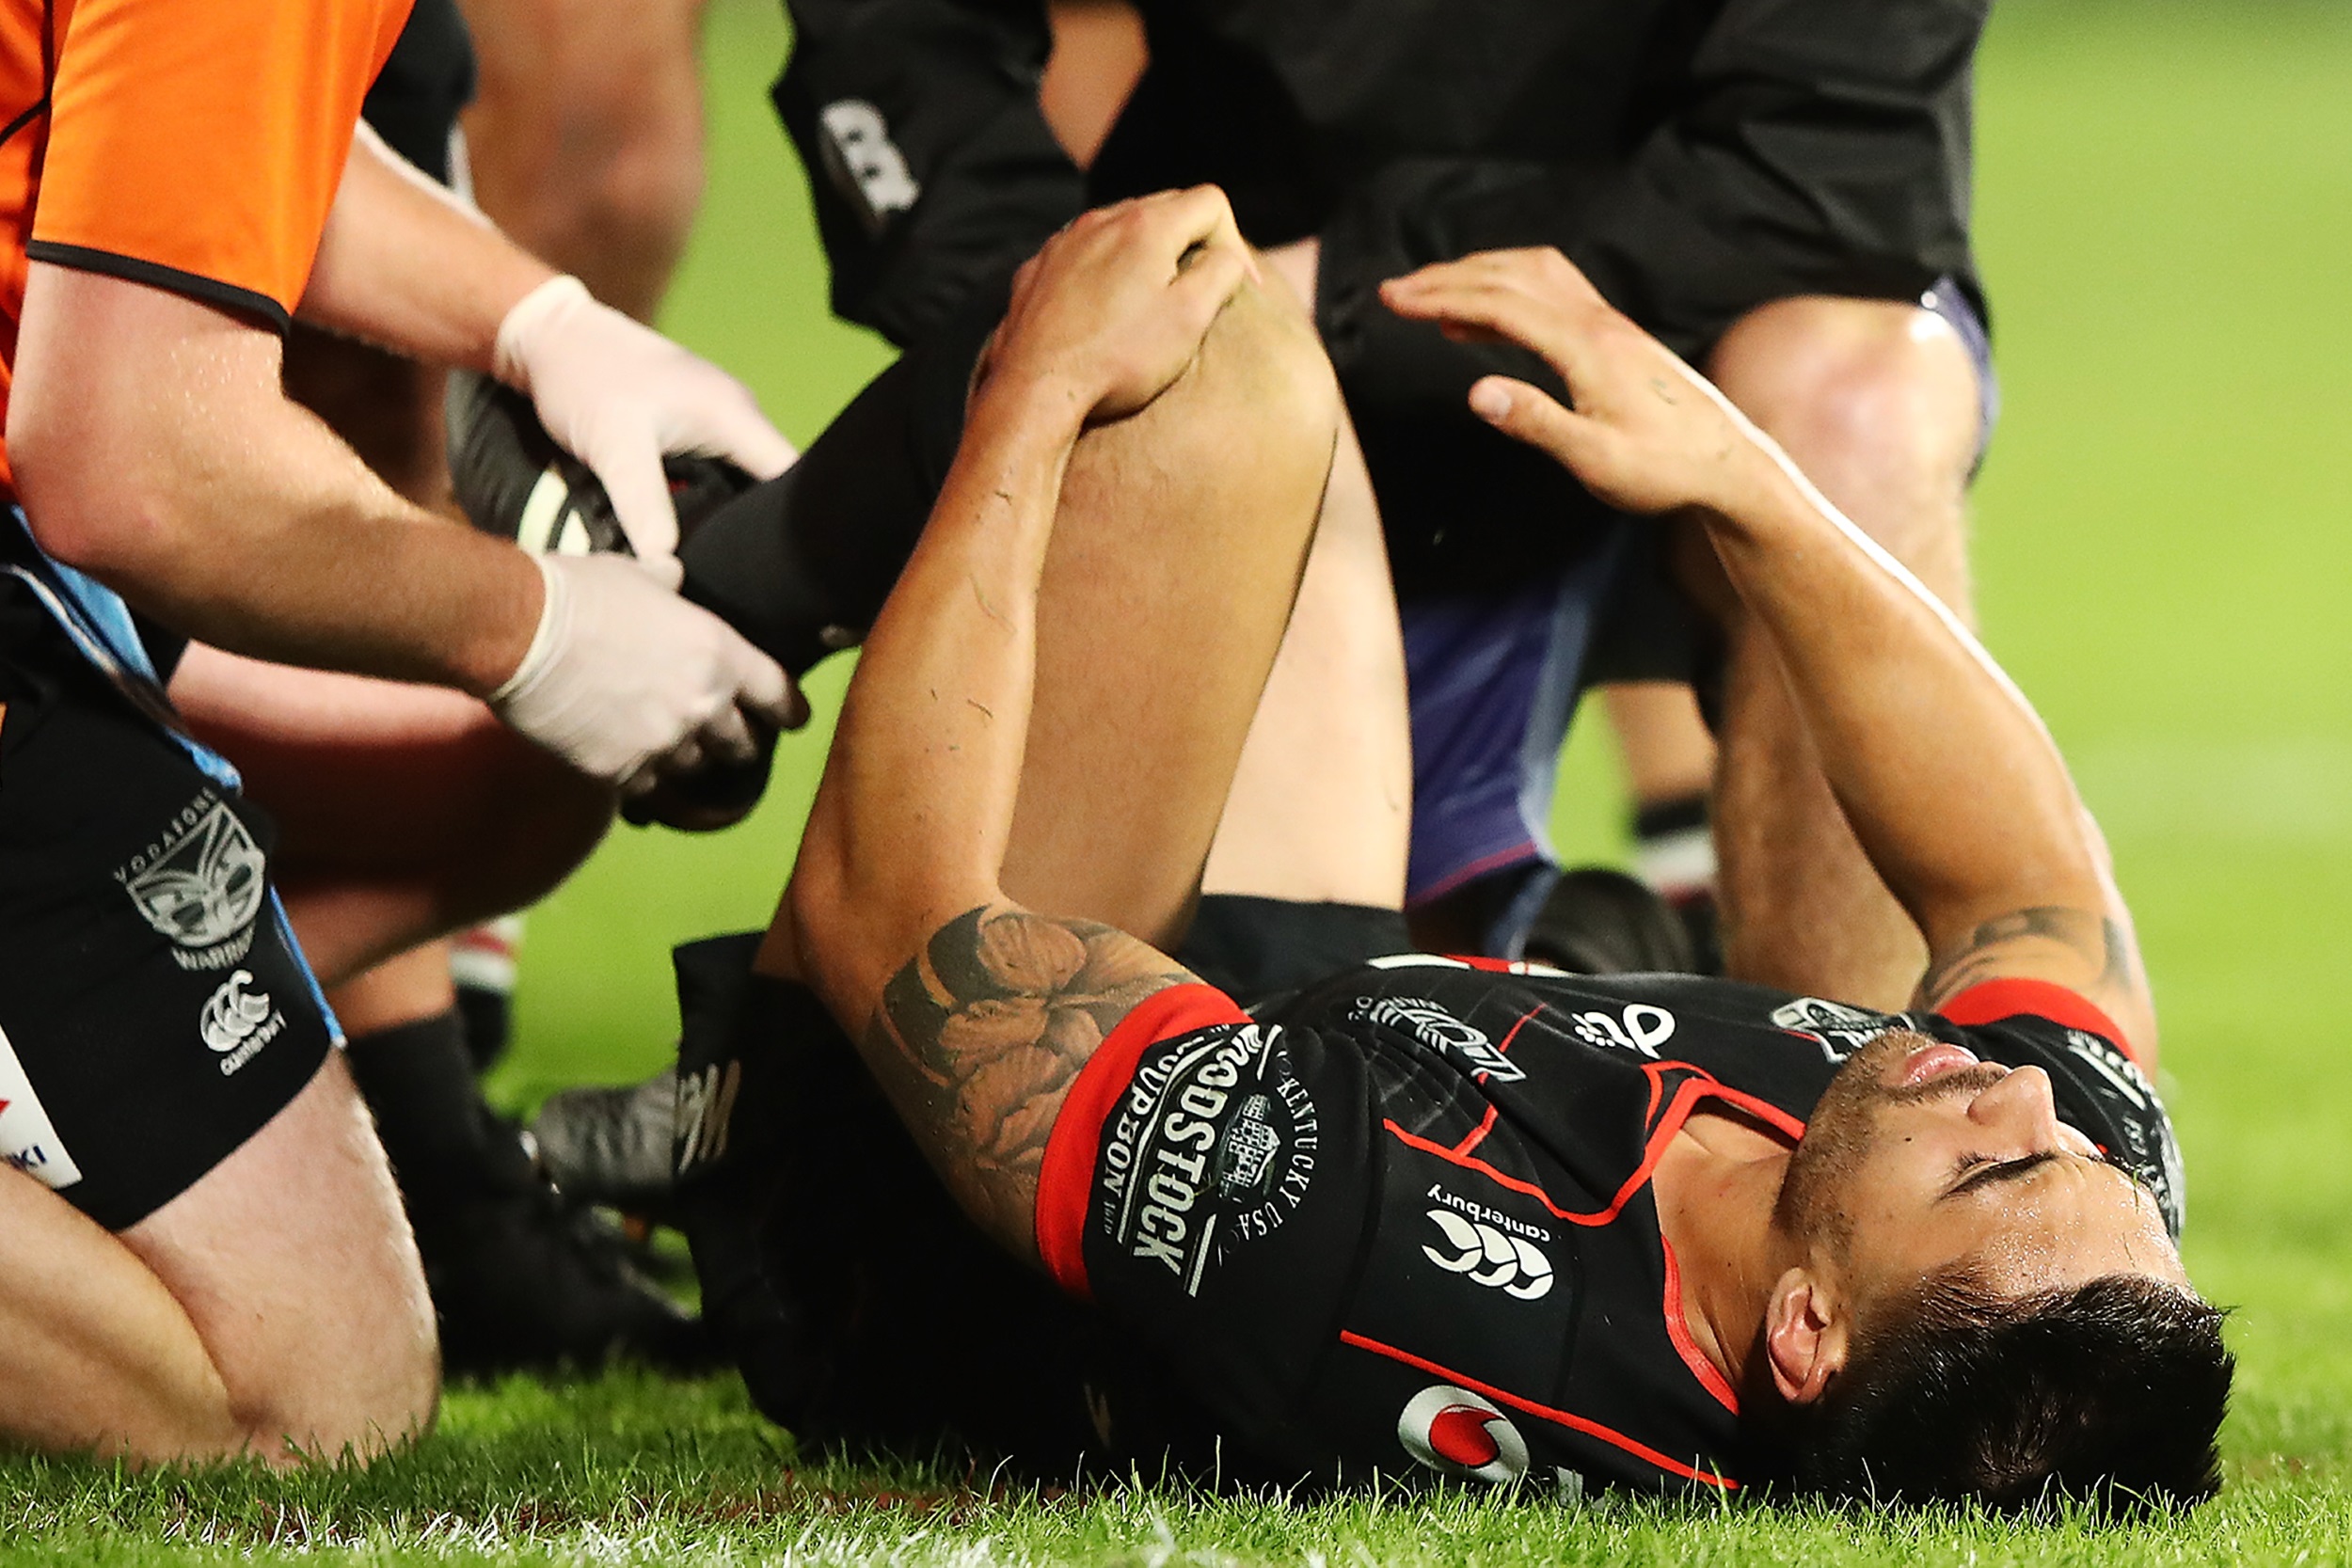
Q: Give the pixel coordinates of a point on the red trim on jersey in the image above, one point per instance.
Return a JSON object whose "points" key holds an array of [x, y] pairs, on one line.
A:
{"points": [[1693, 1089], [1503, 1046], [1995, 1000], [1689, 1094], [1542, 1412], [1065, 1182], [1678, 1330], [1764, 1111], [1477, 1136]]}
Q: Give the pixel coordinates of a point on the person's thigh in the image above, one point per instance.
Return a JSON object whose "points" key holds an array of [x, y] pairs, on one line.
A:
{"points": [[405, 810], [1176, 556], [293, 1262], [1323, 797], [95, 1355]]}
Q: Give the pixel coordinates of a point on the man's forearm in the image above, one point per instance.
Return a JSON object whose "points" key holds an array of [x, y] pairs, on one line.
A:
{"points": [[1951, 783], [152, 449], [312, 560], [403, 264], [918, 795]]}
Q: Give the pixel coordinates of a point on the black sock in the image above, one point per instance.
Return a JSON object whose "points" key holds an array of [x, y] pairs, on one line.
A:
{"points": [[446, 1145], [481, 963], [801, 563]]}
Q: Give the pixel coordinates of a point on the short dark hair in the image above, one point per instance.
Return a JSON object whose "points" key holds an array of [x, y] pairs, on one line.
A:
{"points": [[2108, 1394]]}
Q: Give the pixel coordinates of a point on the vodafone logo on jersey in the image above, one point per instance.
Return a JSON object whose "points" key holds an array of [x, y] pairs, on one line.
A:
{"points": [[1462, 1435]]}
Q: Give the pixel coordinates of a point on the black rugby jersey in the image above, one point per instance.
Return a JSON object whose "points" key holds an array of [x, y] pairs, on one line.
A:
{"points": [[1400, 1222]]}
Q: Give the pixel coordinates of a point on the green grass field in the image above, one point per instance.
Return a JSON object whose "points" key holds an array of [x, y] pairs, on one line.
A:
{"points": [[2164, 529]]}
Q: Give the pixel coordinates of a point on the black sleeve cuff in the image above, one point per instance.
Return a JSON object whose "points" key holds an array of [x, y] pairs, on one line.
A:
{"points": [[208, 290]]}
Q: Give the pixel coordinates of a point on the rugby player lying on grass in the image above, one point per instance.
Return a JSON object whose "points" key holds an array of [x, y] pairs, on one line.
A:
{"points": [[1425, 1216]]}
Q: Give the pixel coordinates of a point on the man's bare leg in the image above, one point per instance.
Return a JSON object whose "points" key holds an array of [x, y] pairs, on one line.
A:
{"points": [[1321, 803], [95, 1355], [586, 139], [275, 1309], [1320, 808], [293, 1262], [1177, 551], [1184, 525], [1878, 403]]}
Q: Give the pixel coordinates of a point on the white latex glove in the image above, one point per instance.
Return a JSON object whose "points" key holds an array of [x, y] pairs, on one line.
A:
{"points": [[619, 395], [628, 682]]}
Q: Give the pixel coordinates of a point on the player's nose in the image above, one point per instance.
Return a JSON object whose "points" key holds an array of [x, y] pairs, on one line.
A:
{"points": [[2019, 1103]]}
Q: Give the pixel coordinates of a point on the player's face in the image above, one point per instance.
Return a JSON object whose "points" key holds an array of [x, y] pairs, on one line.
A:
{"points": [[1921, 1157]]}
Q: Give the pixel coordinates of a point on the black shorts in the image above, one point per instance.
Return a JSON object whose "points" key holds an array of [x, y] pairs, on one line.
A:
{"points": [[157, 1012]]}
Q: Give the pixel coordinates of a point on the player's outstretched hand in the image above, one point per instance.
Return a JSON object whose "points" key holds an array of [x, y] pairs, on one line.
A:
{"points": [[1648, 434], [630, 684], [1113, 310], [620, 396]]}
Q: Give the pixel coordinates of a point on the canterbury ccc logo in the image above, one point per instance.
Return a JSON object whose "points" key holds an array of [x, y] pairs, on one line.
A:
{"points": [[1458, 1434], [233, 1014], [1510, 1263]]}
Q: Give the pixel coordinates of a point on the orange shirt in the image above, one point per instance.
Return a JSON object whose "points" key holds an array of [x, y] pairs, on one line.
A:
{"points": [[194, 145]]}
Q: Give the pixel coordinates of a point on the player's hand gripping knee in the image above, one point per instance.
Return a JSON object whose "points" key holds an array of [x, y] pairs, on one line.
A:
{"points": [[620, 396], [1647, 432], [630, 683], [1114, 307]]}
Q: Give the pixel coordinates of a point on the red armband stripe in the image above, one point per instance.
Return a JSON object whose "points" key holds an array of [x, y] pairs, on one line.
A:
{"points": [[1995, 1000], [1065, 1182]]}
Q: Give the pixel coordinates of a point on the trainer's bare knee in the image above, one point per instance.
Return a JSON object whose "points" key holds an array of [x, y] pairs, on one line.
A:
{"points": [[1872, 398], [293, 1262]]}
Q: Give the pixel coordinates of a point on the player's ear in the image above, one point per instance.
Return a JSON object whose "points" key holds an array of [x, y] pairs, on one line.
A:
{"points": [[1807, 1334]]}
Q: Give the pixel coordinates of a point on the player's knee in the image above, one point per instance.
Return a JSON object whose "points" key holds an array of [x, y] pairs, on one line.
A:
{"points": [[1859, 388], [1264, 384], [289, 1429]]}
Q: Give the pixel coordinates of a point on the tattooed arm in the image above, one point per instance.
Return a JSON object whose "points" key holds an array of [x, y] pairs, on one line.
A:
{"points": [[1952, 784], [980, 1035], [2093, 956], [973, 1013]]}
